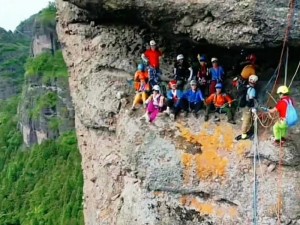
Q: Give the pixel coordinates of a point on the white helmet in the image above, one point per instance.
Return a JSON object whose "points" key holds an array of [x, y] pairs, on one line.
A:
{"points": [[179, 57], [214, 60], [253, 79], [152, 42], [156, 88]]}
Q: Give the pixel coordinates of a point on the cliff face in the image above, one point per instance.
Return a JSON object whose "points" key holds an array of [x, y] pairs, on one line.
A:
{"points": [[190, 172], [46, 110]]}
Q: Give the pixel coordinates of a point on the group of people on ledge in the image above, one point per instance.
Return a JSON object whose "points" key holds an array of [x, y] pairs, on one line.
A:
{"points": [[201, 87]]}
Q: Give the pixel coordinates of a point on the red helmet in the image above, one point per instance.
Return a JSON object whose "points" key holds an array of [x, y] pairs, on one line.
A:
{"points": [[252, 58], [172, 83]]}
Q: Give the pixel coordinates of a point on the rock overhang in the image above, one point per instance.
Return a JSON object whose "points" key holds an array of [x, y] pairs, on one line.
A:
{"points": [[253, 24]]}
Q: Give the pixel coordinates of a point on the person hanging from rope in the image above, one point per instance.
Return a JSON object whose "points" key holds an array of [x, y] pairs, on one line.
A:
{"points": [[183, 71], [217, 74], [287, 115], [152, 58], [251, 99], [220, 103], [142, 86]]}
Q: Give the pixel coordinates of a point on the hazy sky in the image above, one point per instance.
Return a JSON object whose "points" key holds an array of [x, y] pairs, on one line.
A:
{"points": [[12, 12]]}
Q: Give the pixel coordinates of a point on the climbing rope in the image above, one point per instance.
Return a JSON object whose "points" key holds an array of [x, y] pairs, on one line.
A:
{"points": [[255, 183], [294, 74], [279, 184], [266, 120], [286, 65], [285, 41]]}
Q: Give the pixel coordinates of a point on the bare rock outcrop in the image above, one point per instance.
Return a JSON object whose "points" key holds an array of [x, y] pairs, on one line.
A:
{"points": [[184, 173], [227, 23]]}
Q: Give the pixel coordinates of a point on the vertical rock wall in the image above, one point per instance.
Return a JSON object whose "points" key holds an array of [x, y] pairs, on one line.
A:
{"points": [[184, 173]]}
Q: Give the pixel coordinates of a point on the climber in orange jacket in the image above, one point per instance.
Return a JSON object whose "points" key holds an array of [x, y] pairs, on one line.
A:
{"points": [[221, 103], [142, 87]]}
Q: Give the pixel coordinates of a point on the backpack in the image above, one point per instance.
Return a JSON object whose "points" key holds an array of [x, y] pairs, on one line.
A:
{"points": [[291, 114]]}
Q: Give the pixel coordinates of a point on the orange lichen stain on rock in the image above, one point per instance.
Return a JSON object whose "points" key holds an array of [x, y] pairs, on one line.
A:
{"points": [[187, 161], [242, 146], [208, 208], [203, 208], [208, 164]]}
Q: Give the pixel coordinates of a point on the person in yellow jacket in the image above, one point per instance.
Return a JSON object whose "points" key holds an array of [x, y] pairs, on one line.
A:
{"points": [[142, 87], [250, 67]]}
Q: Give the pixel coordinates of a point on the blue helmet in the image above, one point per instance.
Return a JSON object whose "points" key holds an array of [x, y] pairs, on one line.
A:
{"points": [[218, 86], [203, 58], [141, 67]]}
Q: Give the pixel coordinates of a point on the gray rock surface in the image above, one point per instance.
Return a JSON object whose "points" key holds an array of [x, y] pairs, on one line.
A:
{"points": [[226, 23], [163, 173]]}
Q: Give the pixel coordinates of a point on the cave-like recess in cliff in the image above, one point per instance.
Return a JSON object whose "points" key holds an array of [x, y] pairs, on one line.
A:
{"points": [[173, 44]]}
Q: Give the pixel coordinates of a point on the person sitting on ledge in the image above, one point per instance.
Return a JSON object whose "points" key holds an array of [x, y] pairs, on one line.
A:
{"points": [[155, 105], [191, 101], [221, 103]]}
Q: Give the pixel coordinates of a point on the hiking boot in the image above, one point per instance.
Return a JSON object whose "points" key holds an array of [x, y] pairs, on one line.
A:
{"points": [[196, 115], [167, 111], [172, 116], [242, 137], [185, 114], [216, 119], [145, 117], [206, 118], [283, 139], [231, 121], [279, 143]]}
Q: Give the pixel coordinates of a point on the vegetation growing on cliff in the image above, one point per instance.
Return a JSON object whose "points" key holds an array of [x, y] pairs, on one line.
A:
{"points": [[47, 66], [14, 50], [40, 186], [43, 184]]}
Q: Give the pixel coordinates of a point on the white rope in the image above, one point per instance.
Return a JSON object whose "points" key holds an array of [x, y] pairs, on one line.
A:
{"points": [[255, 184], [295, 74]]}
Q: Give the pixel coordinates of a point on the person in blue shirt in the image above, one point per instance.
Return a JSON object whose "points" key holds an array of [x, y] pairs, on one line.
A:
{"points": [[173, 97], [216, 73], [191, 101]]}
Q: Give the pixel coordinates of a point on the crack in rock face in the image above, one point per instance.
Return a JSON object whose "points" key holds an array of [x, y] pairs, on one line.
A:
{"points": [[189, 173]]}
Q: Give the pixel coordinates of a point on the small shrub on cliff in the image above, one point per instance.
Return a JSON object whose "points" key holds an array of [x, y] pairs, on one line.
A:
{"points": [[46, 66], [46, 101]]}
